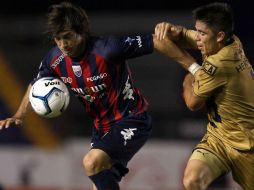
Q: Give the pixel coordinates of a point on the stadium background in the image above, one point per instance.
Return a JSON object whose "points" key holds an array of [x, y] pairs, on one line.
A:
{"points": [[23, 44]]}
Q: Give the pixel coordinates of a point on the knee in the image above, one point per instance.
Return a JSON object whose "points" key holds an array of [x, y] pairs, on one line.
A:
{"points": [[194, 180], [89, 164]]}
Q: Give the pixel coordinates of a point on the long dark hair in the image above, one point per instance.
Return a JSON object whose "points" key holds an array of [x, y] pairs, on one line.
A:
{"points": [[67, 17]]}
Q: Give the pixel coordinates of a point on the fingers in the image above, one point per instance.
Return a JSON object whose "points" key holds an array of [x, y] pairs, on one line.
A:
{"points": [[167, 30], [3, 124], [161, 30], [18, 122], [9, 122], [176, 30]]}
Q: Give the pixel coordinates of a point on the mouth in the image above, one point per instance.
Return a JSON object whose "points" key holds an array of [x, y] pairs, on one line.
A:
{"points": [[200, 47]]}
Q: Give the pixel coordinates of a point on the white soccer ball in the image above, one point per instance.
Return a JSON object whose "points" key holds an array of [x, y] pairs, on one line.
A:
{"points": [[49, 97]]}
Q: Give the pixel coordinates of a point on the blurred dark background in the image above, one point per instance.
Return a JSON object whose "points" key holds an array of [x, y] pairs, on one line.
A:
{"points": [[23, 44]]}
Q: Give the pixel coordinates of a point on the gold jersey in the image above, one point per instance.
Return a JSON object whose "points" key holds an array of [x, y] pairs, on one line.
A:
{"points": [[227, 82]]}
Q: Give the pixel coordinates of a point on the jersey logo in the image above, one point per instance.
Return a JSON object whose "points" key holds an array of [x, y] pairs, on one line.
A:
{"points": [[129, 40], [128, 91], [203, 153], [67, 79], [128, 134], [95, 78], [137, 38], [77, 70], [58, 61], [87, 92], [209, 68]]}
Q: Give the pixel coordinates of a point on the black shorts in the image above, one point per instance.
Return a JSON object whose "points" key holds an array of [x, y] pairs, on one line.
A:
{"points": [[125, 138]]}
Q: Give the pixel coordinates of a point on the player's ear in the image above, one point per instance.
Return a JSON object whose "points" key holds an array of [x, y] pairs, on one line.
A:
{"points": [[220, 36]]}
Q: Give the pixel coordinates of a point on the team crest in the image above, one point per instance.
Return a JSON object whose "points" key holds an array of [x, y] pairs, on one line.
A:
{"points": [[77, 70], [209, 68]]}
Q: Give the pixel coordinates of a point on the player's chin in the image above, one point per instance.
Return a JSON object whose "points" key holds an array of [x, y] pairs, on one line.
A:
{"points": [[72, 55], [202, 52], [75, 54]]}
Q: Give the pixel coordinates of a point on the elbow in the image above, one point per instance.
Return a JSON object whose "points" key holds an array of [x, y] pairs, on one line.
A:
{"points": [[191, 108], [194, 107]]}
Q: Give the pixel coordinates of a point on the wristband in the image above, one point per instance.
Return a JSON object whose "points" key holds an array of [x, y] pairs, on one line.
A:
{"points": [[194, 68]]}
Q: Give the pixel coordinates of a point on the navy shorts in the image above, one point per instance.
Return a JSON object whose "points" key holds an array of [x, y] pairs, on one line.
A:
{"points": [[125, 138]]}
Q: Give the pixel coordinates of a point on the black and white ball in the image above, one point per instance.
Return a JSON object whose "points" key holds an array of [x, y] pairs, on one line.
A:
{"points": [[49, 97]]}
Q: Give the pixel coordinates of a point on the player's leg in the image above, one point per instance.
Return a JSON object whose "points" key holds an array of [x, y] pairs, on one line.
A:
{"points": [[97, 165], [243, 168], [95, 161], [202, 169], [106, 163], [208, 161]]}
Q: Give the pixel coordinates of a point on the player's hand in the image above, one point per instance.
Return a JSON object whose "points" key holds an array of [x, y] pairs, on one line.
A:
{"points": [[167, 30], [12, 121]]}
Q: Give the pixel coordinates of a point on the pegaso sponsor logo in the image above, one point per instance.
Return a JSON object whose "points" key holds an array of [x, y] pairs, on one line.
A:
{"points": [[59, 59], [94, 78]]}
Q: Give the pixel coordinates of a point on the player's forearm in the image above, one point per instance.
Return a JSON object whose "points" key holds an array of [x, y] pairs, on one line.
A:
{"points": [[187, 90], [171, 50], [185, 59], [25, 106]]}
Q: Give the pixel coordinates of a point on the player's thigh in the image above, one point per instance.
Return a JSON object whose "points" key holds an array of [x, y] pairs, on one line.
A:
{"points": [[125, 138], [243, 168], [198, 171], [204, 166]]}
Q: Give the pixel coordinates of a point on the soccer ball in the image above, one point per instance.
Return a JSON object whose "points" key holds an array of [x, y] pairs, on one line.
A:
{"points": [[49, 97]]}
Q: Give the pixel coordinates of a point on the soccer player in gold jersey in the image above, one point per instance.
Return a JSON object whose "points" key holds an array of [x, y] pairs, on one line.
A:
{"points": [[224, 83]]}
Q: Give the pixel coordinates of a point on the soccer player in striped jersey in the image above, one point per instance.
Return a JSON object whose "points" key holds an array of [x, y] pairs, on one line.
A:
{"points": [[95, 69], [225, 84]]}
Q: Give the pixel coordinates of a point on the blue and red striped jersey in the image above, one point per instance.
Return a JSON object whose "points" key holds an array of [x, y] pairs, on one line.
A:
{"points": [[101, 79]]}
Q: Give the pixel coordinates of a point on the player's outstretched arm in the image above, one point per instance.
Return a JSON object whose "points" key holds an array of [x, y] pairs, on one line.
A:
{"points": [[23, 109], [174, 52]]}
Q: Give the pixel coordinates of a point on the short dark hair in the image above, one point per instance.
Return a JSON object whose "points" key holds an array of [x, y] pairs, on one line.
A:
{"points": [[218, 16], [66, 16]]}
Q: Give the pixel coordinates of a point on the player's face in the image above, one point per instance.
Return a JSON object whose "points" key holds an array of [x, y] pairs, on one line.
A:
{"points": [[70, 43], [206, 39]]}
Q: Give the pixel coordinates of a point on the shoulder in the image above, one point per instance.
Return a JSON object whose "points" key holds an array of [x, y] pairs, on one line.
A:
{"points": [[188, 33], [102, 44], [53, 53], [225, 60]]}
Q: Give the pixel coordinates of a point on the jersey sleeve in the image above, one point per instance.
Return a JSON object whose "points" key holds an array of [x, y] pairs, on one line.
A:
{"points": [[129, 46], [211, 78], [188, 39]]}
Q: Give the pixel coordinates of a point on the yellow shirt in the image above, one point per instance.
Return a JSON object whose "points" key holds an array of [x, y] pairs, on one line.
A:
{"points": [[227, 81]]}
